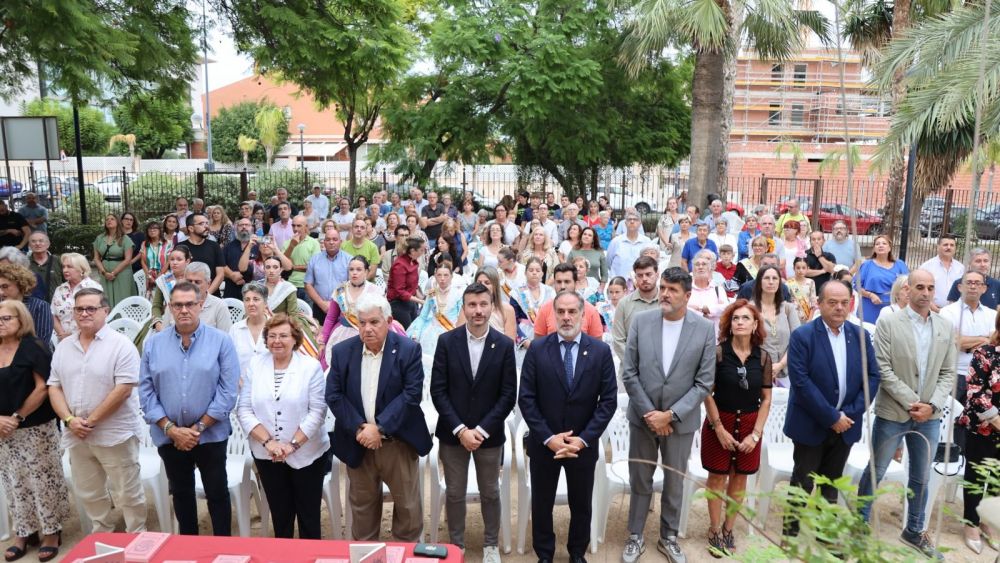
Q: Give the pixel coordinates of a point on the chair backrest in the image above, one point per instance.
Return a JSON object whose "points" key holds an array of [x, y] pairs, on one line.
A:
{"points": [[774, 427], [237, 312], [126, 326], [140, 282], [238, 443], [380, 279], [618, 435], [136, 308], [949, 412], [869, 328], [523, 467], [305, 308]]}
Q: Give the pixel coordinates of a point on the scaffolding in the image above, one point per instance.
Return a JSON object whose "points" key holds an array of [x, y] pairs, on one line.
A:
{"points": [[799, 99]]}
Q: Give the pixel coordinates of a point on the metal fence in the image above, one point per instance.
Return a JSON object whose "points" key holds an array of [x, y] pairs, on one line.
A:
{"points": [[152, 194]]}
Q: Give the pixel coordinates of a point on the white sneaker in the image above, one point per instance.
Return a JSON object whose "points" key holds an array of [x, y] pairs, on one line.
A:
{"points": [[491, 554]]}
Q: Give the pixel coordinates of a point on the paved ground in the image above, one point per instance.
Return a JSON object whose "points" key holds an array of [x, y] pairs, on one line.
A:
{"points": [[610, 552]]}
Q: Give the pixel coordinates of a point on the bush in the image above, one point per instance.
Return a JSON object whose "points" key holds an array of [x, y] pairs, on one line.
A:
{"points": [[97, 208], [153, 194], [220, 189], [267, 182], [68, 237]]}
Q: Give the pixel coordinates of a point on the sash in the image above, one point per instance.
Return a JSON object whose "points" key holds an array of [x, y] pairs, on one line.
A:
{"points": [[439, 306], [166, 283], [800, 299], [280, 292], [750, 267], [348, 319], [441, 318]]}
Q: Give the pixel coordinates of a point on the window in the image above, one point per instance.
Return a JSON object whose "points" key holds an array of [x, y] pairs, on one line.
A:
{"points": [[777, 72], [798, 114], [774, 114], [799, 73]]}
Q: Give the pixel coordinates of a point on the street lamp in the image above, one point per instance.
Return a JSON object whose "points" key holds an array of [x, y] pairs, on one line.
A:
{"points": [[302, 147], [210, 165]]}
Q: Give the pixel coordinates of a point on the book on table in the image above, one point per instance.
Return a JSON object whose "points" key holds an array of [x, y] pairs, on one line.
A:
{"points": [[368, 553]]}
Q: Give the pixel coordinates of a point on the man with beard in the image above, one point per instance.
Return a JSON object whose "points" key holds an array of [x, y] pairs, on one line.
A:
{"points": [[235, 279], [204, 250], [644, 298]]}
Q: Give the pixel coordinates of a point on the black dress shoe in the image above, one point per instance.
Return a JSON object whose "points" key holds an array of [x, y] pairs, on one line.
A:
{"points": [[577, 559], [544, 561]]}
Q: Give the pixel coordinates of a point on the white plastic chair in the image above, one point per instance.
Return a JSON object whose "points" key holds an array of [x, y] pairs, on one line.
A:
{"points": [[614, 476], [331, 490], [154, 480], [305, 308], [697, 478], [140, 282], [126, 326], [524, 487], [945, 473], [472, 491], [4, 516], [242, 487], [776, 456], [237, 312], [380, 279], [136, 308]]}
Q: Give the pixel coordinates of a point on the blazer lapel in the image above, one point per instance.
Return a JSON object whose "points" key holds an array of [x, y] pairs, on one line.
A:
{"points": [[463, 352], [488, 348], [354, 376], [581, 359], [657, 353], [825, 348], [853, 354], [555, 356], [389, 352]]}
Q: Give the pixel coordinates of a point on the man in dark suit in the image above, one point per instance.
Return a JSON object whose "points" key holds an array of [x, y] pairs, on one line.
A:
{"points": [[374, 390], [826, 401], [474, 387], [567, 397]]}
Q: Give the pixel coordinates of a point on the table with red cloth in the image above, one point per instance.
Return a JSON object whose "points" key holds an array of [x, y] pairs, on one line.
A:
{"points": [[261, 550]]}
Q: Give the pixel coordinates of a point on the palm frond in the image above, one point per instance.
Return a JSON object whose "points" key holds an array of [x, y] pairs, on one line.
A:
{"points": [[771, 28], [704, 23], [868, 27], [652, 27]]}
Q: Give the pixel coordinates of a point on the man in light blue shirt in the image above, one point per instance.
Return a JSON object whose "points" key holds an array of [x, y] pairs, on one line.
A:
{"points": [[844, 248], [188, 385], [325, 272], [320, 202]]}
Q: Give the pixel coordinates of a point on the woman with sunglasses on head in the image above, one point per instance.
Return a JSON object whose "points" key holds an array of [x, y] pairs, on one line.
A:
{"points": [[736, 412]]}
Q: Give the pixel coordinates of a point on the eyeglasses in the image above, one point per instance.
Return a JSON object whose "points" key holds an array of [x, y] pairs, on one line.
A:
{"points": [[4, 319], [969, 283], [87, 310], [277, 335], [742, 372], [182, 306]]}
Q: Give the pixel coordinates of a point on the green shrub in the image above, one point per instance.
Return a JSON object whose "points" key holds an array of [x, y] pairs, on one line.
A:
{"points": [[73, 237], [69, 208], [153, 194], [267, 182]]}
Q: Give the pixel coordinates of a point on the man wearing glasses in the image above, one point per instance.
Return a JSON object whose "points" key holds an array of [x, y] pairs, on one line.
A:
{"points": [[973, 323], [188, 385], [92, 388], [206, 251], [624, 249]]}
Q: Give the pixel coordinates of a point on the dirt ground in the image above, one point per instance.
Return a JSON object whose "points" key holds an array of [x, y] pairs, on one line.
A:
{"points": [[694, 545]]}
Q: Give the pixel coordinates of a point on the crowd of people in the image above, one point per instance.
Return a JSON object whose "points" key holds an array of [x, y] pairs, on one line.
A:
{"points": [[700, 322]]}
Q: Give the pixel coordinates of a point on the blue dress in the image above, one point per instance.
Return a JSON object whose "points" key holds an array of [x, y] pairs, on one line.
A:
{"points": [[878, 280]]}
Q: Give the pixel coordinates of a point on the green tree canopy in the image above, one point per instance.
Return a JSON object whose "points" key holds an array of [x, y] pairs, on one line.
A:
{"points": [[348, 54], [88, 48], [538, 81], [158, 125], [240, 119], [94, 129]]}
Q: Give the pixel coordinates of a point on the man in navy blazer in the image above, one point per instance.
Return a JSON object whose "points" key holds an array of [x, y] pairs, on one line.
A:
{"points": [[567, 398], [474, 387], [826, 401], [374, 390]]}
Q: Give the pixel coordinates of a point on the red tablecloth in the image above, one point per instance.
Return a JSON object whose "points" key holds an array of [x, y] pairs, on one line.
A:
{"points": [[262, 550]]}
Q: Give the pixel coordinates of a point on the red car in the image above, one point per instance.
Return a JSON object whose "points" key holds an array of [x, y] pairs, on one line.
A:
{"points": [[830, 213]]}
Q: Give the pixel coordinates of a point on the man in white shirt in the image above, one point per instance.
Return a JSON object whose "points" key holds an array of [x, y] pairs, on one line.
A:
{"points": [[624, 249], [320, 203], [973, 322], [945, 269], [92, 388], [550, 227], [282, 230], [344, 218]]}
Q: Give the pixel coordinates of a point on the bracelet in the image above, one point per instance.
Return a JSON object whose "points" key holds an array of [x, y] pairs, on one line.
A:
{"points": [[18, 417], [266, 442], [168, 426], [68, 419]]}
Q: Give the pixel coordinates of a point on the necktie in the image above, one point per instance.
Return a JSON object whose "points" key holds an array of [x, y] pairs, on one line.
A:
{"points": [[568, 362]]}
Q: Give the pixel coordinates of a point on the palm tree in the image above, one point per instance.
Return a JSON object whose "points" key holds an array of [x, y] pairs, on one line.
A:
{"points": [[869, 27], [794, 150], [129, 140], [269, 121], [715, 30], [831, 161], [247, 145]]}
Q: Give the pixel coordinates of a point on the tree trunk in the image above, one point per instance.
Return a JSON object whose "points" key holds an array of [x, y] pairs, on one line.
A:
{"points": [[352, 178], [894, 187], [726, 115], [707, 93]]}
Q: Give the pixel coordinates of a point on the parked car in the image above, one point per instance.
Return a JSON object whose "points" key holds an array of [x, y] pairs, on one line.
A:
{"points": [[644, 201], [987, 222], [114, 185], [6, 191], [830, 213]]}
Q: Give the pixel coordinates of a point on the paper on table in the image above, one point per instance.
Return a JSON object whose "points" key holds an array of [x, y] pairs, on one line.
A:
{"points": [[144, 546], [231, 559], [105, 553], [368, 553], [422, 560]]}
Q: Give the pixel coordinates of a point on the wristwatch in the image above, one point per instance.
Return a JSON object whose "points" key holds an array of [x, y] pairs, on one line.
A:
{"points": [[200, 426], [17, 415], [934, 408], [754, 437], [295, 444]]}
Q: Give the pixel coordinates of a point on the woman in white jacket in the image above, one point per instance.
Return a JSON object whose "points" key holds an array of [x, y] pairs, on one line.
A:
{"points": [[283, 410]]}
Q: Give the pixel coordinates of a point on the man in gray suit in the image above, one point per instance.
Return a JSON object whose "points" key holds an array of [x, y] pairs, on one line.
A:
{"points": [[916, 355], [667, 378]]}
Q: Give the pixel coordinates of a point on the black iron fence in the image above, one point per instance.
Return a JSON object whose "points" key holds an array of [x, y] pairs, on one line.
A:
{"points": [[152, 195]]}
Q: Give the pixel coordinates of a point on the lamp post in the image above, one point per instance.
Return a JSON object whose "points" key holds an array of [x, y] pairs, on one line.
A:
{"points": [[302, 148], [210, 165]]}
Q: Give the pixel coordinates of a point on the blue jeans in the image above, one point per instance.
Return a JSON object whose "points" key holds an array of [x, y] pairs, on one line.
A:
{"points": [[886, 437]]}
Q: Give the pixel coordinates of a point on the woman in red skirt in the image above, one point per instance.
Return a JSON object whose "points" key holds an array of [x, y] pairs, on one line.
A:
{"points": [[736, 412]]}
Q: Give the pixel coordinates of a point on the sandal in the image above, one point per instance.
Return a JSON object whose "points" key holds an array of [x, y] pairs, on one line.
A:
{"points": [[48, 552], [13, 553]]}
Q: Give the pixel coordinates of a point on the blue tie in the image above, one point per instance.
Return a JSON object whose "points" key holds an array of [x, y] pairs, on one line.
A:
{"points": [[568, 361]]}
